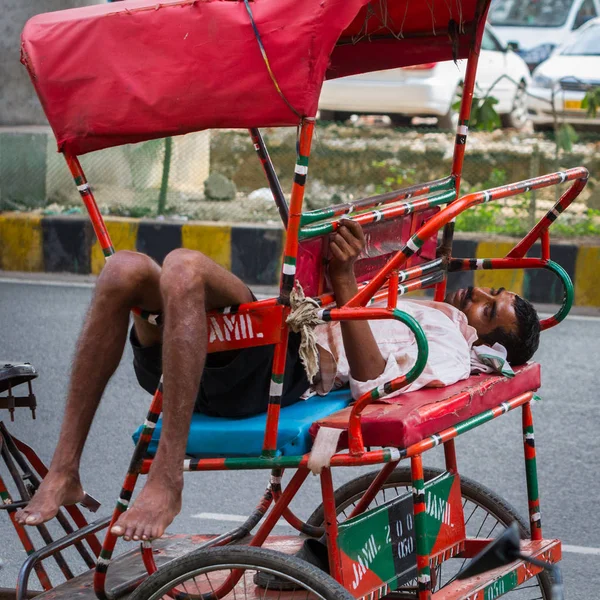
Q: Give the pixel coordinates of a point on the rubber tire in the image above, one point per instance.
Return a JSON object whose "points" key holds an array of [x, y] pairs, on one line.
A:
{"points": [[319, 581], [401, 121], [543, 127], [509, 119], [449, 121], [336, 116], [470, 489]]}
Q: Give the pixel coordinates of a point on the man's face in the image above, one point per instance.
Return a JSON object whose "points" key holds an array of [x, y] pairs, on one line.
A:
{"points": [[486, 308]]}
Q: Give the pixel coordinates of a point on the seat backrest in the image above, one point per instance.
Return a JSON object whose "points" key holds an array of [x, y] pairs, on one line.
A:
{"points": [[383, 240]]}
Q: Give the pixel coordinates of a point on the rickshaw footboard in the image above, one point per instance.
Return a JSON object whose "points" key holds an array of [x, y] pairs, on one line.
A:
{"points": [[500, 581], [129, 567]]}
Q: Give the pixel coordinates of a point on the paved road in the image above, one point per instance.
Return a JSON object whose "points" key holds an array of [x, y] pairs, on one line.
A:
{"points": [[39, 323]]}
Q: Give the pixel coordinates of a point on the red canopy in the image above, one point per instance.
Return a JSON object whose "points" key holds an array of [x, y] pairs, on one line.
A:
{"points": [[130, 71]]}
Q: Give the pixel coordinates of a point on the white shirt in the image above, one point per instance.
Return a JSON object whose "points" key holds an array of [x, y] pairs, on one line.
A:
{"points": [[448, 333]]}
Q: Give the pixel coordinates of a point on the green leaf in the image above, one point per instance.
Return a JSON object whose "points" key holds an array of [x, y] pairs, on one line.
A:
{"points": [[566, 136], [591, 102], [484, 115]]}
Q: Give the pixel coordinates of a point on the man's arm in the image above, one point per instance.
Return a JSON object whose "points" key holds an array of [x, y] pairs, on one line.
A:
{"points": [[363, 354]]}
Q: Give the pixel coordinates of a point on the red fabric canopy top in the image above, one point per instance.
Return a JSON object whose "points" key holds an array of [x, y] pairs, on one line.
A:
{"points": [[125, 72]]}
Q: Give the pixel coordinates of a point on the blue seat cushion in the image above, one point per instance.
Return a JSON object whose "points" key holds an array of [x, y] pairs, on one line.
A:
{"points": [[218, 437]]}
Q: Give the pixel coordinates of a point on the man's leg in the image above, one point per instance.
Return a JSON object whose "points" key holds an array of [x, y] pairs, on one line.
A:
{"points": [[190, 284], [128, 279]]}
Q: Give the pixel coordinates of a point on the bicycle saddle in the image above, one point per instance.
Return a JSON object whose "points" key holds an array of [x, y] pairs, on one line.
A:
{"points": [[14, 373]]}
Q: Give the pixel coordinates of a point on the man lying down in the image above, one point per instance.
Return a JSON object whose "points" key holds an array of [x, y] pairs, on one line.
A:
{"points": [[236, 383]]}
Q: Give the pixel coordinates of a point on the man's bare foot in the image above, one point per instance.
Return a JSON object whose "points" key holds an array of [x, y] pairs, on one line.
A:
{"points": [[56, 490], [153, 511]]}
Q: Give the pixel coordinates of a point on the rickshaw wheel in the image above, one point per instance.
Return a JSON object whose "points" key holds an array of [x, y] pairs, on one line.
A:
{"points": [[200, 575], [485, 514]]}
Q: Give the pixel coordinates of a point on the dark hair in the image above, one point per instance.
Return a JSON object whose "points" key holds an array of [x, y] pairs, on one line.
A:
{"points": [[521, 345]]}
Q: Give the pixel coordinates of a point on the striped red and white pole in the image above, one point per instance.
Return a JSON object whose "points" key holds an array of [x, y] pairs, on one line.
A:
{"points": [[133, 472], [418, 492], [288, 277], [533, 495], [85, 191]]}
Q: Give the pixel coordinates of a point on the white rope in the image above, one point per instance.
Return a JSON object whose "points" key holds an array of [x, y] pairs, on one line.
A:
{"points": [[303, 319], [324, 447]]}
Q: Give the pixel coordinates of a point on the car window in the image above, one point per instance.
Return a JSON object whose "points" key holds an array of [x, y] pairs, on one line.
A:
{"points": [[585, 13], [488, 42], [586, 43], [526, 13]]}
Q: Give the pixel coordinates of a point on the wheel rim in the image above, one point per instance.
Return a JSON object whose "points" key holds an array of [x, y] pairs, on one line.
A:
{"points": [[203, 583], [454, 116], [519, 111], [476, 520], [451, 118]]}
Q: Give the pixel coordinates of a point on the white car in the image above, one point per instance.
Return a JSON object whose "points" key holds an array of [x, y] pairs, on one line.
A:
{"points": [[567, 75], [431, 90], [535, 28]]}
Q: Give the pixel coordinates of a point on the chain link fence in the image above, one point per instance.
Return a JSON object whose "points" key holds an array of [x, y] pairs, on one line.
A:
{"points": [[216, 176]]}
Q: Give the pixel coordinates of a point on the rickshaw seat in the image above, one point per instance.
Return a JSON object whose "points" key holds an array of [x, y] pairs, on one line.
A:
{"points": [[218, 437], [408, 418]]}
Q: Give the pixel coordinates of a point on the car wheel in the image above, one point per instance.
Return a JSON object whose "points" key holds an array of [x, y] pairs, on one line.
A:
{"points": [[543, 127], [449, 121], [401, 120], [334, 115], [326, 115], [518, 116]]}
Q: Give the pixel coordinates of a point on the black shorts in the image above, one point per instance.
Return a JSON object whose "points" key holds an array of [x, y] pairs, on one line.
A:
{"points": [[234, 383]]}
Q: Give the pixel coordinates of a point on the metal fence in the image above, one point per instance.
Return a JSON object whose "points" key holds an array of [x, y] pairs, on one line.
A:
{"points": [[215, 175]]}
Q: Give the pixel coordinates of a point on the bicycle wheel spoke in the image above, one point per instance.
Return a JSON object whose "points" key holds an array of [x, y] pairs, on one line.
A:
{"points": [[482, 524], [211, 585], [245, 588], [494, 527], [472, 513]]}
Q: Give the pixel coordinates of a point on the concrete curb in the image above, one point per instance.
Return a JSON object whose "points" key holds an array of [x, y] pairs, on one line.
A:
{"points": [[56, 244]]}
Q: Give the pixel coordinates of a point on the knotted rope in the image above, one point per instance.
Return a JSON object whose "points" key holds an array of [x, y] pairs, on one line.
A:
{"points": [[303, 319]]}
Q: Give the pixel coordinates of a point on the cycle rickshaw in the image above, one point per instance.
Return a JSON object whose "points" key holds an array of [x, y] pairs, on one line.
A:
{"points": [[127, 72]]}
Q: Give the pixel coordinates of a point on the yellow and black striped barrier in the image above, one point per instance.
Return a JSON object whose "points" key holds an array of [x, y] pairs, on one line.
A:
{"points": [[56, 244]]}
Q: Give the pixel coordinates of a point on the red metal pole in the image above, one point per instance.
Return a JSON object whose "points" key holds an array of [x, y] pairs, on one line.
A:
{"points": [[533, 496], [373, 489], [460, 143], [423, 569], [288, 278], [450, 456], [331, 525], [134, 470], [26, 542], [90, 203], [277, 510], [544, 223], [545, 244]]}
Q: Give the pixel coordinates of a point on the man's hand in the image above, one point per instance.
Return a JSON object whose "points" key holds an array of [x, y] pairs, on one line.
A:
{"points": [[363, 353], [345, 247]]}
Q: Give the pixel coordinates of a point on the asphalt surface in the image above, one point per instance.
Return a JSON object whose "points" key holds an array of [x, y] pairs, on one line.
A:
{"points": [[39, 323]]}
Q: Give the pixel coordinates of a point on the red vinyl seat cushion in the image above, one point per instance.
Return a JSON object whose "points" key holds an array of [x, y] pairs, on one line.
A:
{"points": [[408, 418]]}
